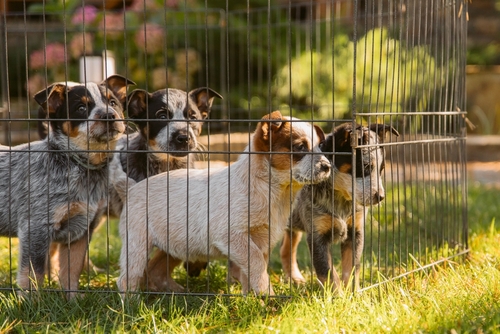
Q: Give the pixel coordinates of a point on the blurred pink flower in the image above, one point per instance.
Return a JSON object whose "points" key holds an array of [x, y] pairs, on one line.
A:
{"points": [[139, 5], [55, 54], [112, 24], [37, 59], [152, 34], [51, 57], [81, 44], [86, 15], [36, 83]]}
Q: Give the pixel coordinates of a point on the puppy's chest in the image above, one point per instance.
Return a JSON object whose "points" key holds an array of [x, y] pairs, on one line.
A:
{"points": [[72, 186], [269, 218]]}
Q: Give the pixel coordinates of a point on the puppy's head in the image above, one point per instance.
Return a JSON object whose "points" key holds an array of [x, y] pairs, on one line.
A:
{"points": [[171, 119], [293, 145], [91, 114], [369, 160]]}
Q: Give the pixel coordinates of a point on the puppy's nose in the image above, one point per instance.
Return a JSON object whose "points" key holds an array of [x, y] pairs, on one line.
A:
{"points": [[183, 138], [325, 167], [378, 197], [108, 115]]}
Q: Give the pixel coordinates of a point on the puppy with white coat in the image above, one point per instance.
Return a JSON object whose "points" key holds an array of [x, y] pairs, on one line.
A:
{"points": [[239, 212]]}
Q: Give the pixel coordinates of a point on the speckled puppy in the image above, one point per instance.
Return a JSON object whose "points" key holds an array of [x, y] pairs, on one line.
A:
{"points": [[55, 190], [324, 211], [169, 122]]}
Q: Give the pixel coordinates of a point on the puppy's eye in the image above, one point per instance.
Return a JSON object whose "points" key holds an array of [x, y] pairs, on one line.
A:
{"points": [[82, 109], [113, 103], [299, 147], [162, 114], [193, 117]]}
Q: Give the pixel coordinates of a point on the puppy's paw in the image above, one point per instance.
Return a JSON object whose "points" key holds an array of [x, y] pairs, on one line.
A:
{"points": [[340, 231], [173, 286], [297, 277]]}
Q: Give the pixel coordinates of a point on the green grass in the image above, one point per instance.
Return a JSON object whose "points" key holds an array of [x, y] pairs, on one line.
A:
{"points": [[457, 295]]}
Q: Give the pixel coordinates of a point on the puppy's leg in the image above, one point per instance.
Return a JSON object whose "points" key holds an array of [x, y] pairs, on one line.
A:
{"points": [[135, 249], [33, 253], [288, 253], [319, 246], [256, 270], [52, 267], [347, 250], [159, 273], [71, 259], [194, 268]]}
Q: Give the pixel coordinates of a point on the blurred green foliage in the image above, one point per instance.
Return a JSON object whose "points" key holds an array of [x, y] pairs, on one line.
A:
{"points": [[389, 77]]}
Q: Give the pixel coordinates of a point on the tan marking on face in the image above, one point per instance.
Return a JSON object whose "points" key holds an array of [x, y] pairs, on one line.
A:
{"points": [[68, 130], [86, 100], [63, 213]]}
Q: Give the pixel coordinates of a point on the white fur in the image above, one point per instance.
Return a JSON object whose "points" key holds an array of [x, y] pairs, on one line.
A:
{"points": [[238, 212]]}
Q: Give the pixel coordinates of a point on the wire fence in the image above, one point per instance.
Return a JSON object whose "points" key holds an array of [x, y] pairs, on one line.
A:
{"points": [[332, 63]]}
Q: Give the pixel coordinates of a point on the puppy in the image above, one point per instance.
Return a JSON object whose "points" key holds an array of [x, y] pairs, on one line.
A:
{"points": [[169, 122], [238, 212], [55, 190], [324, 211]]}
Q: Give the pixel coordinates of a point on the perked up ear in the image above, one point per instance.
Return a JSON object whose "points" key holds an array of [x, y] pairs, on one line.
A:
{"points": [[204, 97], [137, 103], [382, 129], [52, 97], [271, 123], [118, 85]]}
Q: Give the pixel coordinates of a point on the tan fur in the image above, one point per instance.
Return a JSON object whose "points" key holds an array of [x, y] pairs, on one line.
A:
{"points": [[63, 213]]}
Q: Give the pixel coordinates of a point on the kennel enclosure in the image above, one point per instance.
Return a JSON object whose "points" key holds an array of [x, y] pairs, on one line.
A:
{"points": [[328, 61]]}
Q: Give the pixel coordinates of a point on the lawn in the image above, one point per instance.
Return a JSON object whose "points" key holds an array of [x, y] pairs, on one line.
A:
{"points": [[463, 296]]}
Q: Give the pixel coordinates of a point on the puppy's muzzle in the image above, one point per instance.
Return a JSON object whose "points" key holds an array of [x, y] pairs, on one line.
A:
{"points": [[108, 116], [378, 197], [323, 167], [113, 124], [182, 139], [181, 143]]}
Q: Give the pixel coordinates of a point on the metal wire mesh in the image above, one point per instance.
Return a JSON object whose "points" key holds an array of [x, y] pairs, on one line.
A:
{"points": [[330, 62]]}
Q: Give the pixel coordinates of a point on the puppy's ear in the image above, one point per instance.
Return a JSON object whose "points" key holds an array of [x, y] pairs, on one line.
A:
{"points": [[204, 97], [51, 98], [271, 123], [137, 103], [342, 134], [320, 133], [118, 85], [382, 129]]}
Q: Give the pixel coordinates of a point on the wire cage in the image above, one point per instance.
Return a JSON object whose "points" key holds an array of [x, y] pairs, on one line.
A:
{"points": [[328, 62]]}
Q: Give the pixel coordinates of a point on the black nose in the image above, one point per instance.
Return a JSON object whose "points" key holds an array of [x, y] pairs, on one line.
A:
{"points": [[325, 167], [183, 139], [108, 115], [377, 198]]}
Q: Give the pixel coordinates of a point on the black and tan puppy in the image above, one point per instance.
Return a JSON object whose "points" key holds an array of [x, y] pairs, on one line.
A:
{"points": [[169, 122], [324, 211], [55, 190]]}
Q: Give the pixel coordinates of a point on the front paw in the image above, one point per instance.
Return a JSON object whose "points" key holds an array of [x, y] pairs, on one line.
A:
{"points": [[340, 231]]}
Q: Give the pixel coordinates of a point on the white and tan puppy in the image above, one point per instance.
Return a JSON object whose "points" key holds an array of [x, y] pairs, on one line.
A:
{"points": [[238, 212]]}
